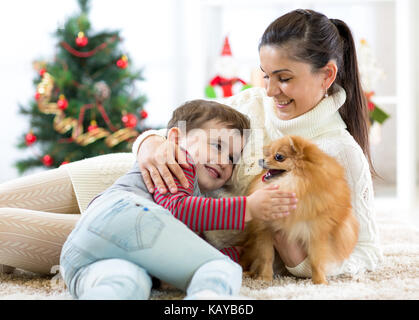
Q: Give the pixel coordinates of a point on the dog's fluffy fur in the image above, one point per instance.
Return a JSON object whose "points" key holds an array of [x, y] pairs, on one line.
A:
{"points": [[323, 220]]}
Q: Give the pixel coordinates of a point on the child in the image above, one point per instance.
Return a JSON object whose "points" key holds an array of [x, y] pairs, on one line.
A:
{"points": [[124, 237]]}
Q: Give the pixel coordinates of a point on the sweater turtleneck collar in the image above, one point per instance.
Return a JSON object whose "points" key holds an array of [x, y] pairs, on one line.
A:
{"points": [[322, 118]]}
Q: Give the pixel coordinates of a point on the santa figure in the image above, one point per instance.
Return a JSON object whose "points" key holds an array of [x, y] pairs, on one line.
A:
{"points": [[225, 83]]}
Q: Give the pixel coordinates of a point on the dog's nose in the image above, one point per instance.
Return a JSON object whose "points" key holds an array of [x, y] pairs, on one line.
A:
{"points": [[262, 163]]}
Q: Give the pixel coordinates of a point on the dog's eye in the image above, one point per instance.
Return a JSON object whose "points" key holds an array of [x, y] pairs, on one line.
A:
{"points": [[279, 157]]}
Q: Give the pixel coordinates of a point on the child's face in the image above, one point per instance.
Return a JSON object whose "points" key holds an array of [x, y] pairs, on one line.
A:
{"points": [[214, 148]]}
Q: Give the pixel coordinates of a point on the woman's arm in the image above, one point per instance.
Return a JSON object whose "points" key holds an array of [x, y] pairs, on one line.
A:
{"points": [[159, 160], [367, 253], [136, 146]]}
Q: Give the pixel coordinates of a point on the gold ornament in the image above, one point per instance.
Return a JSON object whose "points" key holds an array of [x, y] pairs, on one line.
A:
{"points": [[91, 136], [63, 124], [119, 136]]}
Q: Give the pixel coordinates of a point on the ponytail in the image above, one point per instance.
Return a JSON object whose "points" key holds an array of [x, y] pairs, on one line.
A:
{"points": [[354, 112]]}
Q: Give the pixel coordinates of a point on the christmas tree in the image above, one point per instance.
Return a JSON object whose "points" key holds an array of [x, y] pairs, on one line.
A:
{"points": [[85, 103]]}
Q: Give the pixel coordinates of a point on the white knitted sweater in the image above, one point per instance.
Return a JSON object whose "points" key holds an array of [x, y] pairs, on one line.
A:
{"points": [[324, 126]]}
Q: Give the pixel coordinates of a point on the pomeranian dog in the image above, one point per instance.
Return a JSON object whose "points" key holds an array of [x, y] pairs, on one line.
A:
{"points": [[323, 220]]}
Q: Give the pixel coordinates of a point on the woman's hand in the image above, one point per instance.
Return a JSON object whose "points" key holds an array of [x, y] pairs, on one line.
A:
{"points": [[159, 159], [269, 204]]}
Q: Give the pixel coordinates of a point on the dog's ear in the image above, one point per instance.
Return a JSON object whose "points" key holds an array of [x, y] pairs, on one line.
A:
{"points": [[293, 148]]}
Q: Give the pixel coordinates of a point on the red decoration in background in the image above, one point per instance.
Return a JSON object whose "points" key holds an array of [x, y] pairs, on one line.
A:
{"points": [[88, 54], [226, 84], [82, 40], [226, 48], [225, 77], [129, 120], [37, 96], [143, 114], [47, 160], [30, 138], [42, 72], [371, 105], [62, 102], [93, 126], [123, 62]]}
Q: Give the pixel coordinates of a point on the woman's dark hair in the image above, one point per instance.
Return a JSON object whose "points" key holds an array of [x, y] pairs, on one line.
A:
{"points": [[313, 38]]}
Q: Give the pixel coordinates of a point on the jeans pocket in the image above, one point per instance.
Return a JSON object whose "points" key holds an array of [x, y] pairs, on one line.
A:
{"points": [[127, 224]]}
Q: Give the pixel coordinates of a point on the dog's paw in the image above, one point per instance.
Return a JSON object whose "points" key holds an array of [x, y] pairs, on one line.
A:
{"points": [[258, 276], [319, 280], [264, 277]]}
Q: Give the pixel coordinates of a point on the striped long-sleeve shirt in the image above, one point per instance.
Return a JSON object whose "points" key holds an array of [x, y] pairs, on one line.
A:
{"points": [[200, 213]]}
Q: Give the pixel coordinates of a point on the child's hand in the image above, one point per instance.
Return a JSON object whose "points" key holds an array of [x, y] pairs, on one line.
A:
{"points": [[269, 204]]}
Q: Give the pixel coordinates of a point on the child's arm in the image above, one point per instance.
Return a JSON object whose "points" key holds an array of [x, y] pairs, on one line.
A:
{"points": [[200, 213], [232, 252], [203, 214]]}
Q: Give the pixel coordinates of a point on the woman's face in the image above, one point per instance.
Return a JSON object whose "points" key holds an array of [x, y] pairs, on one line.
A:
{"points": [[292, 84]]}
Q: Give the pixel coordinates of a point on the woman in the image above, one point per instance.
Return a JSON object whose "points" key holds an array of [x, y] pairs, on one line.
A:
{"points": [[312, 90]]}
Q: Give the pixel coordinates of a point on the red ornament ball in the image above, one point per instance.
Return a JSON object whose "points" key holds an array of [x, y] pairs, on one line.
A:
{"points": [[42, 72], [143, 114], [371, 106], [37, 96], [30, 138], [47, 160], [82, 40], [62, 102], [65, 162], [93, 126], [130, 120], [122, 63]]}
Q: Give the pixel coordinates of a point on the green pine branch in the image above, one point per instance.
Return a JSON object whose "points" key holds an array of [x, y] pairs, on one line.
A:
{"points": [[84, 5]]}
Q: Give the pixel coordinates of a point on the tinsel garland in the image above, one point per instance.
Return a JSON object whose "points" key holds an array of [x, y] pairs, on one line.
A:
{"points": [[63, 124]]}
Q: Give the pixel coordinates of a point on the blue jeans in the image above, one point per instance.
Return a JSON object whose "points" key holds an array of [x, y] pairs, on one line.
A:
{"points": [[123, 239]]}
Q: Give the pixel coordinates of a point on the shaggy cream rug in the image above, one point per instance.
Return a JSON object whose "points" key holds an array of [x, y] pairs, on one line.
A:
{"points": [[396, 278]]}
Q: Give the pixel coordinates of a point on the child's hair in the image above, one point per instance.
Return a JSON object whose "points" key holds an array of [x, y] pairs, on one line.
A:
{"points": [[313, 38], [196, 113]]}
